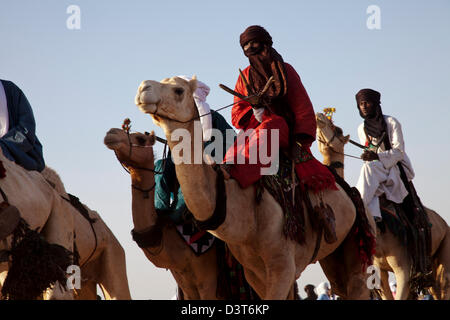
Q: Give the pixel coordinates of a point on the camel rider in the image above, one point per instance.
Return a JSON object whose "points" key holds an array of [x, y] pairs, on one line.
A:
{"points": [[387, 172], [383, 137], [285, 107], [169, 200], [17, 128]]}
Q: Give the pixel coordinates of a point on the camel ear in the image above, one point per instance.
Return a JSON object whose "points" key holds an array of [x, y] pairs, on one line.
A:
{"points": [[193, 83], [346, 138], [151, 137]]}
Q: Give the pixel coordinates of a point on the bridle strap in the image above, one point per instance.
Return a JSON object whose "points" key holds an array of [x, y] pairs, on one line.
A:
{"points": [[144, 191], [328, 144], [199, 116]]}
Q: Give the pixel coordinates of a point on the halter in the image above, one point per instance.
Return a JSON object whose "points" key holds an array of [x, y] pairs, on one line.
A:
{"points": [[328, 143], [126, 127], [198, 117]]}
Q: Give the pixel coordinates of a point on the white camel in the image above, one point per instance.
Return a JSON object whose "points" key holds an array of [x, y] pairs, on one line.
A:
{"points": [[253, 232], [43, 208]]}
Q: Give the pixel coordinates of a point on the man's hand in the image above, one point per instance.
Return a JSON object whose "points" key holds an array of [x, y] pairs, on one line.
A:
{"points": [[369, 156]]}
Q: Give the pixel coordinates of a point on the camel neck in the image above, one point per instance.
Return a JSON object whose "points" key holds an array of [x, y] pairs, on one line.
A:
{"points": [[330, 157], [143, 195], [197, 179]]}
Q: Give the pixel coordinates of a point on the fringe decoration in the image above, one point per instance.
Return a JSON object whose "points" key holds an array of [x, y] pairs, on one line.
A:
{"points": [[35, 265]]}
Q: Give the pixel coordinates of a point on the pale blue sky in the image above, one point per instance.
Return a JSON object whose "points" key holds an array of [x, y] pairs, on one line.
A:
{"points": [[82, 82]]}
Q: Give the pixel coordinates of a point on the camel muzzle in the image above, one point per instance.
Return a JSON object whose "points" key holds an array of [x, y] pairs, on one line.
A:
{"points": [[148, 96]]}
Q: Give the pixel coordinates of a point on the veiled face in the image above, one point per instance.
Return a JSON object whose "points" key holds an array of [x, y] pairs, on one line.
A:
{"points": [[252, 47], [366, 107]]}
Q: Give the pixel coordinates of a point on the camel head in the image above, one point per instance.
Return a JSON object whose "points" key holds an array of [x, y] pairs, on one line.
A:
{"points": [[329, 136], [170, 99], [134, 150]]}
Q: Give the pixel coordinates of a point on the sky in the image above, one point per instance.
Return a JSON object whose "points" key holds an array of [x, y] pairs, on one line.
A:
{"points": [[82, 82]]}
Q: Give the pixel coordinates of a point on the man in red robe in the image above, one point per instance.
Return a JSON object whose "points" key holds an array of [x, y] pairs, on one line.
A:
{"points": [[285, 107]]}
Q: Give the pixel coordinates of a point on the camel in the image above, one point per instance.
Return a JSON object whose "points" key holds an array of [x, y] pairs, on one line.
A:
{"points": [[195, 275], [254, 232], [101, 256], [391, 255], [42, 206], [39, 205]]}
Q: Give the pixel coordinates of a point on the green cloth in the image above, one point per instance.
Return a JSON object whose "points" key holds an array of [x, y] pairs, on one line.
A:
{"points": [[169, 199]]}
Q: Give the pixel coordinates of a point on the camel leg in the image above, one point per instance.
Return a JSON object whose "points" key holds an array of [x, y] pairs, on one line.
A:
{"points": [[335, 274], [205, 269], [113, 275], [256, 283], [386, 293], [443, 270], [280, 277], [88, 291], [344, 272], [401, 277], [186, 284]]}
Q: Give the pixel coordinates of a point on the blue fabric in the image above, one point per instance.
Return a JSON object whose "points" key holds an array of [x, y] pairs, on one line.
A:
{"points": [[323, 297], [20, 143], [169, 199]]}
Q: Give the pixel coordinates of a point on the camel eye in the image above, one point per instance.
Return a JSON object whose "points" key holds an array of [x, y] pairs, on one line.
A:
{"points": [[140, 140], [179, 91]]}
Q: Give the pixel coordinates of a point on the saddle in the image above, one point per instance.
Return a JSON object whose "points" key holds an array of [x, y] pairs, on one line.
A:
{"points": [[291, 195], [413, 230]]}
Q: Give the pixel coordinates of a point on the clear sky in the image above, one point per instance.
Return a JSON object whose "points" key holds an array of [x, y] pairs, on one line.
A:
{"points": [[82, 82]]}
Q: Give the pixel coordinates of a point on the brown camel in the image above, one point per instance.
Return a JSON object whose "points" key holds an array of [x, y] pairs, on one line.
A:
{"points": [[195, 275], [391, 255], [254, 233]]}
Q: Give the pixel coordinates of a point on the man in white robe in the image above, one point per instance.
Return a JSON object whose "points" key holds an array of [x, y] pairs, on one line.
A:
{"points": [[380, 173]]}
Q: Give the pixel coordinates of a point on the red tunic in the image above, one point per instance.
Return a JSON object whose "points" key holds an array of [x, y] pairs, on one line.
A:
{"points": [[311, 172]]}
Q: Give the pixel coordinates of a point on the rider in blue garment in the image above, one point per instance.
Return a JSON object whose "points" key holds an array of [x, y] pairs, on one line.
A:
{"points": [[17, 127], [168, 197]]}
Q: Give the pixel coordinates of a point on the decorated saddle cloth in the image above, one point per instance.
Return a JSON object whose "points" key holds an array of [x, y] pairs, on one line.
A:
{"points": [[199, 241], [285, 188]]}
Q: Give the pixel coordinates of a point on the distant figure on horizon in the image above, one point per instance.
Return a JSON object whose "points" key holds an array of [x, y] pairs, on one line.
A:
{"points": [[393, 287], [324, 291], [311, 294], [17, 128]]}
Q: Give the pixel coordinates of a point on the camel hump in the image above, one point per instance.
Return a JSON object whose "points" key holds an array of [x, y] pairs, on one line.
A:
{"points": [[54, 180]]}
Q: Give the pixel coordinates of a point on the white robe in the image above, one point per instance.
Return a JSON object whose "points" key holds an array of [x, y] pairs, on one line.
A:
{"points": [[383, 176]]}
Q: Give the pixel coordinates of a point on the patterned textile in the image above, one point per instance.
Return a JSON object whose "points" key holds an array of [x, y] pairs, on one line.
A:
{"points": [[198, 241]]}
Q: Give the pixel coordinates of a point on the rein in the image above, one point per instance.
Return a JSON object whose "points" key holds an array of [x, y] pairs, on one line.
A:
{"points": [[198, 117], [328, 144], [124, 164]]}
